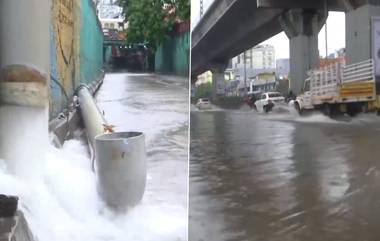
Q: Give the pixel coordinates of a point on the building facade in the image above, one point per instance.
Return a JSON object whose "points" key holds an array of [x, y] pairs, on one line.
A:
{"points": [[110, 15], [259, 59], [282, 68]]}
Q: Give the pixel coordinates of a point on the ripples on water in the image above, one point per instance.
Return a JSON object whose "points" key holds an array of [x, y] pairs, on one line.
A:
{"points": [[283, 177]]}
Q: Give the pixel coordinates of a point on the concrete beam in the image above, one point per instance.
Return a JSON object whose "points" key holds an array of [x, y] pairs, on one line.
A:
{"points": [[302, 22], [249, 25], [332, 5], [306, 4]]}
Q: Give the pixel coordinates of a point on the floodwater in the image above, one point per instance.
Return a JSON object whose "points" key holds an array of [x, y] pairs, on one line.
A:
{"points": [[281, 177], [62, 203]]}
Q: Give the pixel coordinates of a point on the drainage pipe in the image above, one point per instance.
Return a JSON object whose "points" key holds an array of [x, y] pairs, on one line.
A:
{"points": [[24, 81], [93, 119], [120, 162]]}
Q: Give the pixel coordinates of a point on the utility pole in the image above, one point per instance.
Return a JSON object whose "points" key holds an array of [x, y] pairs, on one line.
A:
{"points": [[245, 75], [326, 14], [201, 8]]}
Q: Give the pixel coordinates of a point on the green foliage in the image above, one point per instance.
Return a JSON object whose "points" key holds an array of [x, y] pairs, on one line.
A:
{"points": [[203, 91], [182, 9], [150, 21]]}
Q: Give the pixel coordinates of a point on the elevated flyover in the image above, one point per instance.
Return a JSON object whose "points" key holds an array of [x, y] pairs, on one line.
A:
{"points": [[230, 27]]}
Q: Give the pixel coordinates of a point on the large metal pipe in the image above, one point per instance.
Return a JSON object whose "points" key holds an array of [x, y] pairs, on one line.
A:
{"points": [[121, 168], [93, 119], [24, 81], [120, 162]]}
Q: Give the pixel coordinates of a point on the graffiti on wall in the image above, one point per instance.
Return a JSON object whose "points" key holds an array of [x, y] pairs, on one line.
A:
{"points": [[63, 24], [76, 49]]}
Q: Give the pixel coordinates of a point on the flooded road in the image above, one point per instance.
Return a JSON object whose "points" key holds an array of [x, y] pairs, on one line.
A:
{"points": [[280, 177], [61, 203]]}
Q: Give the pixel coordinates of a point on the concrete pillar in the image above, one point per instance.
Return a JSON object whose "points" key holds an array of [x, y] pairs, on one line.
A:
{"points": [[302, 27], [24, 81], [358, 32], [218, 81]]}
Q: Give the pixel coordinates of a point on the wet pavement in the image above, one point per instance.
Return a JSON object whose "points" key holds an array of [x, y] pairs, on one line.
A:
{"points": [[279, 177]]}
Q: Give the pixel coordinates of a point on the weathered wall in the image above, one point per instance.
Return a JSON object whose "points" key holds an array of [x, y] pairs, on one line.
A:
{"points": [[76, 49], [172, 56]]}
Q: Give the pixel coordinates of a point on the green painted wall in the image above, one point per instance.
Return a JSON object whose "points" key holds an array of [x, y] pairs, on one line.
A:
{"points": [[172, 56], [91, 44]]}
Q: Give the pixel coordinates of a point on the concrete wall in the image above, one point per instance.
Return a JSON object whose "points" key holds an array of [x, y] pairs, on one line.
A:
{"points": [[172, 56], [76, 49], [358, 33]]}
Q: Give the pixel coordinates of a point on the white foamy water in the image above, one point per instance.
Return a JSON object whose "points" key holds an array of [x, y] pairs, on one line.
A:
{"points": [[62, 203], [20, 126]]}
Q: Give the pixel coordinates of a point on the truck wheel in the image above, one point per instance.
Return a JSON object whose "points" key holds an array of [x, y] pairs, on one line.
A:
{"points": [[327, 110], [298, 108], [353, 110]]}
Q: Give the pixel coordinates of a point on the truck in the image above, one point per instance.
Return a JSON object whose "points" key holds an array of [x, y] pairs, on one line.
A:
{"points": [[339, 88]]}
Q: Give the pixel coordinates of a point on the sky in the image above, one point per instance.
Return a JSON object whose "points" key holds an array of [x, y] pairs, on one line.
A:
{"points": [[335, 32]]}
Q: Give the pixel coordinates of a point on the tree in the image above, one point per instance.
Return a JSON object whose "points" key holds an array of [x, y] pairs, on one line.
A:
{"points": [[150, 21], [203, 90], [183, 9]]}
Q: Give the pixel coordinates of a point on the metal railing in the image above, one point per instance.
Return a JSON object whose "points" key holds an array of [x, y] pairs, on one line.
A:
{"points": [[361, 71], [324, 81]]}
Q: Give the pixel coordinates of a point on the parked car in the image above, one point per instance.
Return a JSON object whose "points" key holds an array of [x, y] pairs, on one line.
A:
{"points": [[203, 104], [268, 100]]}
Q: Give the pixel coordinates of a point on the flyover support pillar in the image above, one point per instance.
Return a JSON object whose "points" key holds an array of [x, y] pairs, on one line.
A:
{"points": [[218, 81], [302, 27]]}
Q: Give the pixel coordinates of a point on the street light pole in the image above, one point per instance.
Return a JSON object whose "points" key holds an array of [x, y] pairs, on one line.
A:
{"points": [[201, 8], [245, 75], [326, 14]]}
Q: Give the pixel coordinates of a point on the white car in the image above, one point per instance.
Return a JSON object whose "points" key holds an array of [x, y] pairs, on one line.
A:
{"points": [[203, 104], [268, 100]]}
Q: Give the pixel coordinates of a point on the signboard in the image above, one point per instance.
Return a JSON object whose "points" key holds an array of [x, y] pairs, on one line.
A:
{"points": [[376, 44]]}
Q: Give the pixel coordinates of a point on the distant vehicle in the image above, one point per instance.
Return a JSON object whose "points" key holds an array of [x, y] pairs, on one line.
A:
{"points": [[203, 104], [250, 99], [268, 100], [339, 88]]}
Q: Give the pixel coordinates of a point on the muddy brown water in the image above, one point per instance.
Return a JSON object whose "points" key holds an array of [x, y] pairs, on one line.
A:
{"points": [[276, 178]]}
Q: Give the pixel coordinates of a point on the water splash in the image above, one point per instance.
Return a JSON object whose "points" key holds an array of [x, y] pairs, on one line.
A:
{"points": [[63, 204], [23, 139]]}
